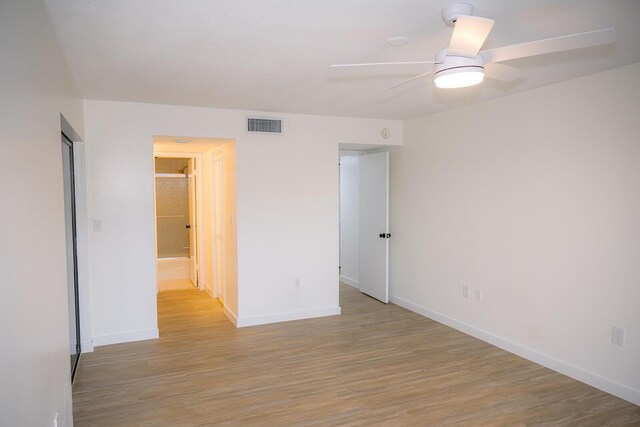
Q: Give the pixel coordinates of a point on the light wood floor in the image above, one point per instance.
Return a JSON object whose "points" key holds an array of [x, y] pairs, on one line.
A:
{"points": [[174, 285], [374, 365]]}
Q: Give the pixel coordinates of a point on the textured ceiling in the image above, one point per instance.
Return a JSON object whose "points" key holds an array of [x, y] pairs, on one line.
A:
{"points": [[274, 55]]}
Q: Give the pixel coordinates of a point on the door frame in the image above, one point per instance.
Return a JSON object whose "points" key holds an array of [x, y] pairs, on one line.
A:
{"points": [[353, 151], [193, 185], [200, 256], [65, 140]]}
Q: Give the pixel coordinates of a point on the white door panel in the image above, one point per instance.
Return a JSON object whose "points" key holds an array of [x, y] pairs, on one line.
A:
{"points": [[374, 225]]}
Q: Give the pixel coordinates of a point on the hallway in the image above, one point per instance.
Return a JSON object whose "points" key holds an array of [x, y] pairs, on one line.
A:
{"points": [[373, 365]]}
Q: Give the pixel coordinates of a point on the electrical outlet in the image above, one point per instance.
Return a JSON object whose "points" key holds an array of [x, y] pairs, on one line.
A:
{"points": [[478, 295], [465, 291], [617, 336], [296, 282]]}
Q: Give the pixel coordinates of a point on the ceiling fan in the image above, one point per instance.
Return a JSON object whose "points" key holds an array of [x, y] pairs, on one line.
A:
{"points": [[463, 64]]}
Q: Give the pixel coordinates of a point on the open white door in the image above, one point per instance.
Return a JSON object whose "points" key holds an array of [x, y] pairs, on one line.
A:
{"points": [[193, 209], [374, 225]]}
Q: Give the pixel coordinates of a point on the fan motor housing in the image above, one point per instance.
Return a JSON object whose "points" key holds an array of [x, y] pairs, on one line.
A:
{"points": [[449, 64]]}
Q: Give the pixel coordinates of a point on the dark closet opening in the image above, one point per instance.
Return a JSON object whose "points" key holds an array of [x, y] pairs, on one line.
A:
{"points": [[72, 252]]}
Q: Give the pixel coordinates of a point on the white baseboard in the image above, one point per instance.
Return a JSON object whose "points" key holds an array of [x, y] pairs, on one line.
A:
{"points": [[287, 316], [210, 293], [87, 347], [148, 334], [231, 315], [594, 380], [350, 282]]}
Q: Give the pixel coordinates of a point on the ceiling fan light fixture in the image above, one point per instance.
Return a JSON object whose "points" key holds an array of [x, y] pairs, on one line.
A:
{"points": [[459, 77]]}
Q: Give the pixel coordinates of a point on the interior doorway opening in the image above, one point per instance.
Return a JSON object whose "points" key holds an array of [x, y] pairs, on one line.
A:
{"points": [[176, 185], [195, 216], [364, 219]]}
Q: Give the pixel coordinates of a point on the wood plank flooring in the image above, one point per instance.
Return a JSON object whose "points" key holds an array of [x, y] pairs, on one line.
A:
{"points": [[174, 285], [375, 365]]}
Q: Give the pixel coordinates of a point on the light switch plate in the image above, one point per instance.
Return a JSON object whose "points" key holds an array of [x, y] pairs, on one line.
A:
{"points": [[465, 291]]}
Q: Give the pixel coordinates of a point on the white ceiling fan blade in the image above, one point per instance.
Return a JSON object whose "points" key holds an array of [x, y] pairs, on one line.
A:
{"points": [[375, 64], [502, 72], [428, 73], [469, 35], [555, 44]]}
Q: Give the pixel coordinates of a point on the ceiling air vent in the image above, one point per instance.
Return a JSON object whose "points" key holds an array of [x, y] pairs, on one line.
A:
{"points": [[264, 125]]}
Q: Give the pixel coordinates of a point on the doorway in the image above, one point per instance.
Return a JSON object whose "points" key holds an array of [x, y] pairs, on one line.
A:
{"points": [[176, 223], [212, 199], [364, 221], [72, 252]]}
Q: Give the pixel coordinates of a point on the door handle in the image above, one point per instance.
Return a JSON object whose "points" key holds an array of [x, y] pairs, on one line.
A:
{"points": [[381, 235], [388, 235], [187, 226]]}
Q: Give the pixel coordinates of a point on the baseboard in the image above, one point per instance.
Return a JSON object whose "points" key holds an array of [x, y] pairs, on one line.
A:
{"points": [[148, 334], [87, 347], [210, 293], [350, 282], [594, 380], [287, 316], [231, 315]]}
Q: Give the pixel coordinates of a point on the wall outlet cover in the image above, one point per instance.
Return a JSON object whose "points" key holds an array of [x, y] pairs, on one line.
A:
{"points": [[465, 291], [617, 336]]}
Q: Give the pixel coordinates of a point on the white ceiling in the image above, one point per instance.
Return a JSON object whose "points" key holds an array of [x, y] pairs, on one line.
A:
{"points": [[274, 55]]}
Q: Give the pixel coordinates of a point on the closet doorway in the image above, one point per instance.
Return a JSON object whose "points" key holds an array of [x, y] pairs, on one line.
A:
{"points": [[72, 251]]}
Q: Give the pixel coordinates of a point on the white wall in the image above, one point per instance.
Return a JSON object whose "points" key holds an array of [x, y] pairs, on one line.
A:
{"points": [[36, 87], [534, 200], [287, 210], [349, 219]]}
